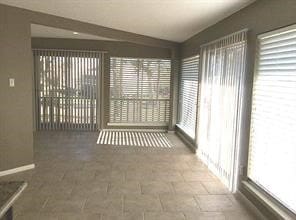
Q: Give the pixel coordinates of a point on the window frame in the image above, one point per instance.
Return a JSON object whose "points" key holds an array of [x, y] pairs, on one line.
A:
{"points": [[270, 202], [139, 123], [192, 138]]}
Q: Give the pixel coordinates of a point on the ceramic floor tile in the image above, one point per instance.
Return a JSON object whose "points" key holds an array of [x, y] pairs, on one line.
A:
{"points": [[139, 203], [123, 216], [87, 189], [197, 176], [79, 176], [190, 188], [97, 166], [126, 187], [75, 178], [113, 175], [167, 176], [80, 216], [156, 187], [51, 177], [30, 204], [146, 175], [215, 187], [64, 205], [205, 216], [164, 216], [173, 203], [36, 216], [214, 203], [241, 215], [102, 203], [57, 189]]}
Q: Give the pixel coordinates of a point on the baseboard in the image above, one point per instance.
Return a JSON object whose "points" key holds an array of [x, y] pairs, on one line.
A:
{"points": [[271, 207], [249, 205], [185, 141], [16, 170]]}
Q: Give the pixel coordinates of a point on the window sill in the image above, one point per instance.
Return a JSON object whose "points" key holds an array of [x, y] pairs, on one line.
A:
{"points": [[149, 124], [189, 141], [267, 201], [191, 137]]}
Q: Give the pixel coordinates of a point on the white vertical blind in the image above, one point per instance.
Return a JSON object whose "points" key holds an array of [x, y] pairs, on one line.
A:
{"points": [[66, 89], [139, 90], [272, 152], [222, 75], [188, 95]]}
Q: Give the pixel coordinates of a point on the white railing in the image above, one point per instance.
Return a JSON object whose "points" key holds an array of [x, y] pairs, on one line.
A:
{"points": [[67, 113], [139, 110]]}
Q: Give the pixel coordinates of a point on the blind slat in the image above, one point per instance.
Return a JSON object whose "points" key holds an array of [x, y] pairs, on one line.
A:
{"points": [[220, 105], [272, 150], [65, 84], [188, 95], [139, 90]]}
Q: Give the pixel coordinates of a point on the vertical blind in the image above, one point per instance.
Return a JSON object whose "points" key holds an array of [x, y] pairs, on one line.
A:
{"points": [[272, 152], [222, 75], [66, 89], [188, 95], [139, 90]]}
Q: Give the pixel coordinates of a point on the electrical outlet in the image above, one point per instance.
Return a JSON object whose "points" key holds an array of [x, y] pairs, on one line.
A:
{"points": [[11, 82]]}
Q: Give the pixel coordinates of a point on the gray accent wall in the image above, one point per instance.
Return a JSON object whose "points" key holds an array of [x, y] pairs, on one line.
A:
{"points": [[113, 48], [16, 120], [260, 17], [16, 106]]}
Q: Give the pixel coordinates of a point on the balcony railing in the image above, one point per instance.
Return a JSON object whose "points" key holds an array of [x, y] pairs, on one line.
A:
{"points": [[143, 111], [66, 113]]}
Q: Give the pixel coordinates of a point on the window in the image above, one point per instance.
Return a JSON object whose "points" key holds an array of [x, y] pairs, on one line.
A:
{"points": [[272, 153], [188, 95], [222, 77], [140, 91], [66, 89]]}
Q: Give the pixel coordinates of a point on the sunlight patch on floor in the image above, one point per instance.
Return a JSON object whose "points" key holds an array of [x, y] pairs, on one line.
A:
{"points": [[134, 138]]}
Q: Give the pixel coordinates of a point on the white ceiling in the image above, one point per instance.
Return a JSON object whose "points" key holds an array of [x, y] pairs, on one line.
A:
{"points": [[50, 32], [174, 20]]}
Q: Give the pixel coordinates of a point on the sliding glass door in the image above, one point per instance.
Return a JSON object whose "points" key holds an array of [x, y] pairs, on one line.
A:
{"points": [[222, 75], [66, 89]]}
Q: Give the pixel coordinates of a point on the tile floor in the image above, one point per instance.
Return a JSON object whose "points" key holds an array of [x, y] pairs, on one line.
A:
{"points": [[75, 178]]}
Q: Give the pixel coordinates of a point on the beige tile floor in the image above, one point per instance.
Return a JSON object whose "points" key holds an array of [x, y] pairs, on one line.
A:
{"points": [[75, 178]]}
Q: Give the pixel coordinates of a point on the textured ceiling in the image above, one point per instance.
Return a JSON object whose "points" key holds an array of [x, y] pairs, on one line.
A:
{"points": [[174, 20]]}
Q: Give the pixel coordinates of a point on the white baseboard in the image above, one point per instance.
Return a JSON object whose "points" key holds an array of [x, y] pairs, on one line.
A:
{"points": [[16, 170]]}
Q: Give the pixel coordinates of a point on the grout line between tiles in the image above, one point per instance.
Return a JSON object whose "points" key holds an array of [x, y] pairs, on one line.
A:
{"points": [[196, 200], [162, 207], [83, 205]]}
